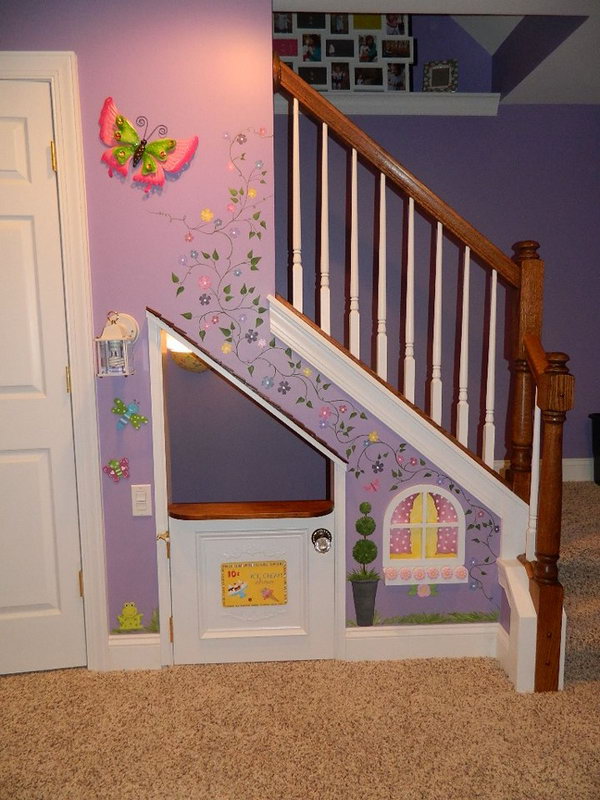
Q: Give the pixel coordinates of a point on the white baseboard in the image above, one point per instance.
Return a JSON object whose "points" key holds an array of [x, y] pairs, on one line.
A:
{"points": [[134, 651], [574, 469], [387, 642]]}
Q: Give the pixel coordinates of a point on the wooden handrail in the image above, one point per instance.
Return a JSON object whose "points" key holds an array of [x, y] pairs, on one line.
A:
{"points": [[351, 135]]}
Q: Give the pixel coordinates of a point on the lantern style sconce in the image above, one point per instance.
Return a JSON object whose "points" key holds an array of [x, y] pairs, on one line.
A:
{"points": [[114, 347]]}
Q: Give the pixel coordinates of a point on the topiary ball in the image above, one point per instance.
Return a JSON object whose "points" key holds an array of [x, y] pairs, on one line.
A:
{"points": [[364, 551], [365, 525]]}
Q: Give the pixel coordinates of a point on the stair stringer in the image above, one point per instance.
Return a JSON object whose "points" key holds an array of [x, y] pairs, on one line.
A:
{"points": [[395, 412]]}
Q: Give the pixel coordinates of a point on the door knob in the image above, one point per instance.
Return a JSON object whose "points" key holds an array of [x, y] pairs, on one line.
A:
{"points": [[321, 539]]}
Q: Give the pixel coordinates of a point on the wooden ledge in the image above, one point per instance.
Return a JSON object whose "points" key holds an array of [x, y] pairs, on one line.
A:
{"points": [[266, 509]]}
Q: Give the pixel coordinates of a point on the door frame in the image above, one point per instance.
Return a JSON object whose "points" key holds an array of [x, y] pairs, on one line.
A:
{"points": [[156, 353], [59, 70]]}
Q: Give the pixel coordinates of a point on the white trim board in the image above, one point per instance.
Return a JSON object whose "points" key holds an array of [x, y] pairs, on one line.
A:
{"points": [[388, 642], [59, 69], [134, 651]]}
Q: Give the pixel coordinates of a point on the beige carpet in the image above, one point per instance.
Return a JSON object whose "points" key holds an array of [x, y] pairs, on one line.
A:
{"points": [[438, 729]]}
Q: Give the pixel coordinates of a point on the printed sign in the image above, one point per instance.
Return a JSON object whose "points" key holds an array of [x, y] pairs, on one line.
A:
{"points": [[254, 583]]}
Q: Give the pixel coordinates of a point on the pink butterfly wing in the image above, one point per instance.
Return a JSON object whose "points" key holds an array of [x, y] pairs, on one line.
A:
{"points": [[178, 158], [107, 133]]}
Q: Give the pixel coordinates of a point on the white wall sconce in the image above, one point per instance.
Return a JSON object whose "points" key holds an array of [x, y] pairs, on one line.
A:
{"points": [[114, 347]]}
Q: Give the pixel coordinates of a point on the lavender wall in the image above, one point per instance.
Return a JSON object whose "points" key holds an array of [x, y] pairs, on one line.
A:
{"points": [[176, 65], [532, 172]]}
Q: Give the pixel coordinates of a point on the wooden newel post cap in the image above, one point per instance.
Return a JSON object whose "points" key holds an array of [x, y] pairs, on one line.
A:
{"points": [[526, 249], [557, 362]]}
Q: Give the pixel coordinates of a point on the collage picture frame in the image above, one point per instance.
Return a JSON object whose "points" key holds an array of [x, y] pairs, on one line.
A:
{"points": [[346, 52]]}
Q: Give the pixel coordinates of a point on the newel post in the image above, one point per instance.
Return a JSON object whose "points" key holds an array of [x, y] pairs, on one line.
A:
{"points": [[555, 398], [528, 320]]}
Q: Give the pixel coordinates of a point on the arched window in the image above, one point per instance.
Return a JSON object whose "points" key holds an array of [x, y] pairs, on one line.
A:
{"points": [[424, 538]]}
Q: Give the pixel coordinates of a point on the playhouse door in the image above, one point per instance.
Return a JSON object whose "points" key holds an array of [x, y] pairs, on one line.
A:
{"points": [[252, 590]]}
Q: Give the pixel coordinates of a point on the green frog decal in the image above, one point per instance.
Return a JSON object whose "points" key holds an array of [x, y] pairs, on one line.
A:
{"points": [[130, 618]]}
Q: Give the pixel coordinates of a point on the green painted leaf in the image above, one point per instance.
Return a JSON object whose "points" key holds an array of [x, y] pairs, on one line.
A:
{"points": [[225, 331], [272, 343], [251, 369], [233, 192], [205, 255], [215, 255], [300, 400], [227, 289], [288, 352], [363, 415], [187, 315], [326, 385], [180, 289], [244, 289], [201, 334], [174, 278], [256, 216], [309, 404], [258, 322]]}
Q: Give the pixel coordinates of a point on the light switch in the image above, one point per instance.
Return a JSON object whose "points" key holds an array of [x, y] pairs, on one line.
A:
{"points": [[141, 500]]}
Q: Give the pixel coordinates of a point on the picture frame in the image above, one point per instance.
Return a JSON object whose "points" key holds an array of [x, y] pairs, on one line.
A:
{"points": [[440, 76], [314, 75]]}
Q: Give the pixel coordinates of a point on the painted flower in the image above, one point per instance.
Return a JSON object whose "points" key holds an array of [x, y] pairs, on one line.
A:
{"points": [[193, 254], [391, 573], [262, 131], [182, 260], [243, 318], [204, 281], [206, 325], [433, 573], [226, 347], [241, 138], [343, 408], [373, 436], [204, 299], [231, 166], [423, 590], [262, 343], [377, 466], [189, 237], [251, 192], [267, 382], [218, 223], [325, 412], [413, 462], [251, 336], [258, 164], [481, 514], [496, 528], [399, 458], [237, 272], [230, 207], [405, 573], [235, 232], [307, 372], [446, 573], [461, 573], [418, 573], [214, 319], [323, 424], [206, 215], [284, 387]]}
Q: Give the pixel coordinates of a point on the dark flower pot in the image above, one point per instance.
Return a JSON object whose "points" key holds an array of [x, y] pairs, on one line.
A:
{"points": [[364, 601]]}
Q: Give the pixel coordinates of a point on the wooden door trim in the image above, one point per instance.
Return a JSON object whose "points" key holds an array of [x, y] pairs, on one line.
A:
{"points": [[59, 69]]}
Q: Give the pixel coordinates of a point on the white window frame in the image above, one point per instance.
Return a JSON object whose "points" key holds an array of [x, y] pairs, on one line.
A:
{"points": [[415, 571]]}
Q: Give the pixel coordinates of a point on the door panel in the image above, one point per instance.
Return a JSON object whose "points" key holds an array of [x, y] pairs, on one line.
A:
{"points": [[41, 611], [251, 590]]}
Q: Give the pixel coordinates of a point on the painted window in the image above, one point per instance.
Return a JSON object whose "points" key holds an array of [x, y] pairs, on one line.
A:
{"points": [[424, 538]]}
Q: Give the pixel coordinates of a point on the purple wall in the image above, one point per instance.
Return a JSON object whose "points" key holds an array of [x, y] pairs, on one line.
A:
{"points": [[532, 172]]}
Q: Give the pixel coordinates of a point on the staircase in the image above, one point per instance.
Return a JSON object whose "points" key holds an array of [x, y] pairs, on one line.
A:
{"points": [[434, 403]]}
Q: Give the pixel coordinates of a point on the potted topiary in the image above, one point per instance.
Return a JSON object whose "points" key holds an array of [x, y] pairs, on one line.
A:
{"points": [[364, 581]]}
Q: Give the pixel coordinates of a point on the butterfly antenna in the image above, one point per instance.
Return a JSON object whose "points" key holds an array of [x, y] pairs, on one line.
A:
{"points": [[142, 122], [162, 131]]}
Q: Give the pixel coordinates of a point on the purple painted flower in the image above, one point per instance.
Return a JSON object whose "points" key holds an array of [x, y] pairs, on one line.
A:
{"points": [[237, 272], [194, 254], [323, 424], [204, 299], [251, 336], [377, 466], [284, 387], [241, 138], [267, 382]]}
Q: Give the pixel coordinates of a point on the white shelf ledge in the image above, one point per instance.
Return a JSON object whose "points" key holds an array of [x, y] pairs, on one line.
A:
{"points": [[473, 104]]}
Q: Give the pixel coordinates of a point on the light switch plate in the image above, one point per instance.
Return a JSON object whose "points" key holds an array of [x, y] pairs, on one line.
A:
{"points": [[141, 500]]}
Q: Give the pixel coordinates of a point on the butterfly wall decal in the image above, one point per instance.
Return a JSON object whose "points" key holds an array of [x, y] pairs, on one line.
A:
{"points": [[127, 414], [126, 144], [117, 469]]}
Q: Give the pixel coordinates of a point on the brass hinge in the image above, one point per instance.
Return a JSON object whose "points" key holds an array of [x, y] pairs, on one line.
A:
{"points": [[81, 583], [164, 536], [53, 156], [68, 378], [170, 629]]}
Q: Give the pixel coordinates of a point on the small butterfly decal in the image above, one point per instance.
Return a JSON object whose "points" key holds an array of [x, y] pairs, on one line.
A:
{"points": [[128, 414], [373, 486], [117, 469], [157, 157]]}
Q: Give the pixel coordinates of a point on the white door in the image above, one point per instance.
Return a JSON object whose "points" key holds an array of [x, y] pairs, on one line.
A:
{"points": [[41, 611], [252, 590]]}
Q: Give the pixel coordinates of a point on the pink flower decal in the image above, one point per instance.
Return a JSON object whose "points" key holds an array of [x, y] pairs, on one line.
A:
{"points": [[418, 573], [204, 281], [391, 573], [405, 574], [423, 590], [447, 573], [433, 573], [325, 412], [461, 573]]}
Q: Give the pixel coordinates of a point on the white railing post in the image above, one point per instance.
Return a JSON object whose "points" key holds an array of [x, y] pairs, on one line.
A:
{"points": [[530, 536], [409, 321], [297, 271], [462, 407], [354, 321], [325, 292], [489, 428], [436, 360], [382, 285]]}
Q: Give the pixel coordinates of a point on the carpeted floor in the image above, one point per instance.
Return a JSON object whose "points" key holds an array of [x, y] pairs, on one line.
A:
{"points": [[433, 730]]}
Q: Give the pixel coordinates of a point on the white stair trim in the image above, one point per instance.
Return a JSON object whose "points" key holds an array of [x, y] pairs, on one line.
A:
{"points": [[405, 421], [403, 642], [134, 651]]}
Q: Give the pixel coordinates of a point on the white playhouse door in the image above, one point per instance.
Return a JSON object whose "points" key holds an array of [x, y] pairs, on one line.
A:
{"points": [[252, 590], [41, 610]]}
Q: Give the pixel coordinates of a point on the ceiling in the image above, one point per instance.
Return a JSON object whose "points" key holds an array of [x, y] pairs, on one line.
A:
{"points": [[568, 74]]}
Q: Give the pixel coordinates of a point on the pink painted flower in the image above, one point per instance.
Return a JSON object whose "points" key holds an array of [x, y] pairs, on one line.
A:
{"points": [[325, 412], [461, 573], [189, 237], [433, 573], [214, 319], [418, 573], [391, 573], [481, 514], [343, 408], [399, 458], [262, 131], [413, 462], [423, 590], [447, 573], [204, 281], [262, 343], [230, 207], [206, 325]]}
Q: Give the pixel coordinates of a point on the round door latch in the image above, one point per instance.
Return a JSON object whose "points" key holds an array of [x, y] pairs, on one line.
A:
{"points": [[321, 539]]}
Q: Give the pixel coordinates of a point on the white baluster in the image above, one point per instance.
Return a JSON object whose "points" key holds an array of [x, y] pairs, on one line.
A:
{"points": [[530, 536], [325, 292], [462, 408], [297, 272], [436, 360], [354, 322], [382, 285], [489, 429], [409, 322]]}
